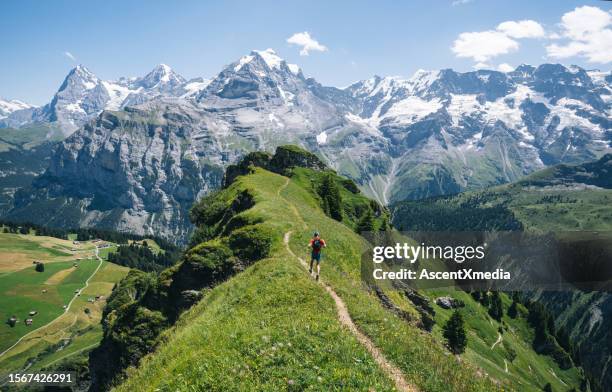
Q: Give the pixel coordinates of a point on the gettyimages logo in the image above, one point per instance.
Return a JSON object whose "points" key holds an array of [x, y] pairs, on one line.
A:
{"points": [[507, 261]]}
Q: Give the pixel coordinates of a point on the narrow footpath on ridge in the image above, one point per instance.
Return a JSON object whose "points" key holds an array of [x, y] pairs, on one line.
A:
{"points": [[345, 318]]}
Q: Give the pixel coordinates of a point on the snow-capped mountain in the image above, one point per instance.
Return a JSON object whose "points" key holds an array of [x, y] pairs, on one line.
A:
{"points": [[437, 132], [9, 106], [451, 131], [82, 96]]}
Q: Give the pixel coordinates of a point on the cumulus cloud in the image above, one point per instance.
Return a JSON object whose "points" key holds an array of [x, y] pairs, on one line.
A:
{"points": [[481, 46], [521, 29], [481, 66], [70, 56], [505, 67], [460, 2], [587, 32], [306, 42]]}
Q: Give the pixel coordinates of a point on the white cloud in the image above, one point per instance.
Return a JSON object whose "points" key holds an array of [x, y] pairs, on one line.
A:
{"points": [[307, 43], [588, 33], [460, 2], [521, 29], [583, 21], [483, 45], [70, 56], [505, 67], [481, 66]]}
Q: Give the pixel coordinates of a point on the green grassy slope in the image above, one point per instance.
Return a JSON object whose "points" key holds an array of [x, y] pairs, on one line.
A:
{"points": [[271, 327], [562, 199], [420, 357]]}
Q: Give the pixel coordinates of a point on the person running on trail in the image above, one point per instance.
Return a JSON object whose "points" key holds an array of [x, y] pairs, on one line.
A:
{"points": [[316, 243]]}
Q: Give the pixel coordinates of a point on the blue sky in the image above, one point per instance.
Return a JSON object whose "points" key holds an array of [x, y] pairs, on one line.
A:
{"points": [[197, 38]]}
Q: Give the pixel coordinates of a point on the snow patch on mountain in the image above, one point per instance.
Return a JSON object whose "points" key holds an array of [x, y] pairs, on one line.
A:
{"points": [[322, 138], [195, 86], [462, 105], [270, 57], [422, 80], [9, 106], [411, 110], [117, 93], [243, 60]]}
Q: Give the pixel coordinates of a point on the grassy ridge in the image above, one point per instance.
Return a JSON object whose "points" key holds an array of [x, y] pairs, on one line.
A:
{"points": [[268, 328], [272, 328]]}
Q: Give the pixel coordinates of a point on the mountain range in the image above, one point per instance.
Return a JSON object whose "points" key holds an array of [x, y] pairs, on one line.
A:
{"points": [[140, 151], [82, 96]]}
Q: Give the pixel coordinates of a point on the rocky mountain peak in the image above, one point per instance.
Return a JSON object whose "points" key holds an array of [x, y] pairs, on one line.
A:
{"points": [[161, 75], [79, 78], [260, 74]]}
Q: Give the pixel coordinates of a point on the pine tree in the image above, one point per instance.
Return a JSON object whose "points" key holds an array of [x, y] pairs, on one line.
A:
{"points": [[563, 338], [484, 299], [512, 310], [330, 197], [366, 223], [496, 309], [476, 295], [454, 333]]}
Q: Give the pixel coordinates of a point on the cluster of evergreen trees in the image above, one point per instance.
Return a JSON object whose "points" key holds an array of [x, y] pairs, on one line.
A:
{"points": [[19, 228], [444, 214], [454, 329], [548, 339], [330, 197], [491, 301], [140, 256], [363, 215]]}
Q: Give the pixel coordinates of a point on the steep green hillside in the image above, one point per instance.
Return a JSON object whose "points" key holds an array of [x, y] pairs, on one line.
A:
{"points": [[256, 320], [559, 199]]}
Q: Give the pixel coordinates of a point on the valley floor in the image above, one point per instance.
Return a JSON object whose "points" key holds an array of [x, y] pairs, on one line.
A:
{"points": [[74, 276]]}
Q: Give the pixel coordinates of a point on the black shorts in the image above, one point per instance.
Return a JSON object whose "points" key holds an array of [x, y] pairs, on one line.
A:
{"points": [[315, 256]]}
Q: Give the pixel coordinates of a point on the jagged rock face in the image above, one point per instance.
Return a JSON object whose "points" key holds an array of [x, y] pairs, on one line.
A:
{"points": [[435, 133], [130, 171]]}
